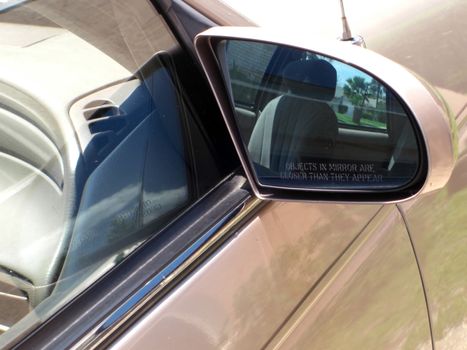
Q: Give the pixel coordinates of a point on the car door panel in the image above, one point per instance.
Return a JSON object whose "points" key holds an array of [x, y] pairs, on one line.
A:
{"points": [[243, 294], [437, 221], [372, 299]]}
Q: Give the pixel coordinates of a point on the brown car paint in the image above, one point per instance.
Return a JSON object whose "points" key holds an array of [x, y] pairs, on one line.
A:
{"points": [[433, 44], [243, 295]]}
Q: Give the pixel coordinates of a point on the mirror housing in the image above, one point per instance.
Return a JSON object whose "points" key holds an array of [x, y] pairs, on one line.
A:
{"points": [[429, 120]]}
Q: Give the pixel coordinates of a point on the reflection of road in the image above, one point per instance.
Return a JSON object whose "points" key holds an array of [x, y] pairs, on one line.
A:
{"points": [[432, 43]]}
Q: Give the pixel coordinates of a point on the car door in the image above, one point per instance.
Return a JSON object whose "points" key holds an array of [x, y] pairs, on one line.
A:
{"points": [[279, 284]]}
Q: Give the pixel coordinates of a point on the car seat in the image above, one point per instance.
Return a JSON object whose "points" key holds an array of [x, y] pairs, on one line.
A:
{"points": [[298, 125]]}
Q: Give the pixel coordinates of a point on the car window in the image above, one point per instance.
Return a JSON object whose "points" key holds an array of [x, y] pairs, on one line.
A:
{"points": [[100, 146]]}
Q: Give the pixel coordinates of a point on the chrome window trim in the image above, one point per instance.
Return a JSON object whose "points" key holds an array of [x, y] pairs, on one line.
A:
{"points": [[181, 266]]}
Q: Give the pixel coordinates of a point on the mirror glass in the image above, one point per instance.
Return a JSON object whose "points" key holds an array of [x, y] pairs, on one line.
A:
{"points": [[310, 121]]}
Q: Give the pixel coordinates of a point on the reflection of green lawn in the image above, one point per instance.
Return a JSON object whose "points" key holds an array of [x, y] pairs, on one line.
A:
{"points": [[441, 233], [347, 119], [381, 305]]}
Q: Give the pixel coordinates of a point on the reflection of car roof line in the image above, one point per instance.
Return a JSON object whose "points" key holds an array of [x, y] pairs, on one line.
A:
{"points": [[42, 40], [19, 35], [60, 43]]}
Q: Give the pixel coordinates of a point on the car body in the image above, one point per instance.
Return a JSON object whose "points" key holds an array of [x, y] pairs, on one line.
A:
{"points": [[133, 217]]}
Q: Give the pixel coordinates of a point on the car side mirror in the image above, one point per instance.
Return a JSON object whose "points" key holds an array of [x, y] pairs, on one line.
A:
{"points": [[326, 121]]}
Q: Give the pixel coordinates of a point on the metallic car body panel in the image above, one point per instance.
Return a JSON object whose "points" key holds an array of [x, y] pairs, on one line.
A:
{"points": [[194, 331], [438, 225], [433, 43], [372, 299], [429, 39], [241, 296]]}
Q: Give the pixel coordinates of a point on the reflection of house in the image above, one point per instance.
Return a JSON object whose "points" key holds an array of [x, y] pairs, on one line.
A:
{"points": [[247, 64], [250, 63], [341, 100]]}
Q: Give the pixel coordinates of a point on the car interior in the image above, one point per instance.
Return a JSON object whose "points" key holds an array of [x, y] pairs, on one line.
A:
{"points": [[298, 123], [83, 207]]}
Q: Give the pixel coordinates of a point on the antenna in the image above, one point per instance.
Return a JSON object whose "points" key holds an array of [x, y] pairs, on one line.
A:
{"points": [[346, 33]]}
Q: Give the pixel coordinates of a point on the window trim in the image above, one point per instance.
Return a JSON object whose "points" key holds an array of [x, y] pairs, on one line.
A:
{"points": [[167, 279]]}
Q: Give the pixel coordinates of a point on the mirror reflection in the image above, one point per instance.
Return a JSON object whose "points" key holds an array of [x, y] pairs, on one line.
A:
{"points": [[312, 121]]}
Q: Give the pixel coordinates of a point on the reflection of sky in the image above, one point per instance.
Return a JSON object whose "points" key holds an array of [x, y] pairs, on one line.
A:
{"points": [[6, 4], [345, 72]]}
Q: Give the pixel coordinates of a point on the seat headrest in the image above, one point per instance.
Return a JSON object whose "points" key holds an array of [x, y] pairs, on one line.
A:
{"points": [[311, 78]]}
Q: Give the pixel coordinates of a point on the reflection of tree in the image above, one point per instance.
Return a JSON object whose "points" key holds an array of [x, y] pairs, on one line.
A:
{"points": [[357, 89], [376, 90]]}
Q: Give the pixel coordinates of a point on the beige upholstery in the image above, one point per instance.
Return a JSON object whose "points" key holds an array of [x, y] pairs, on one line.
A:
{"points": [[299, 124]]}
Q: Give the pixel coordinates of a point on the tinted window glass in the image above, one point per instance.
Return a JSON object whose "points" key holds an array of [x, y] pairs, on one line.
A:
{"points": [[100, 147]]}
